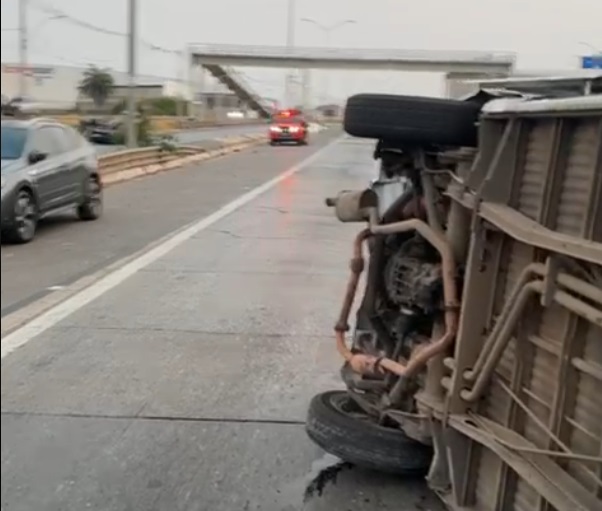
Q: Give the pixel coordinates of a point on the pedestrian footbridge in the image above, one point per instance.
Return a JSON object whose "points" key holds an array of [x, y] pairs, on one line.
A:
{"points": [[219, 60]]}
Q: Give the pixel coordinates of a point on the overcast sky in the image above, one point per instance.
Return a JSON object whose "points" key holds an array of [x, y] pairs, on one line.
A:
{"points": [[546, 34]]}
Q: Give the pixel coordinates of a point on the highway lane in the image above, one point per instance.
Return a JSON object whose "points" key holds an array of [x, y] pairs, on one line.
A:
{"points": [[193, 137], [136, 214], [183, 386]]}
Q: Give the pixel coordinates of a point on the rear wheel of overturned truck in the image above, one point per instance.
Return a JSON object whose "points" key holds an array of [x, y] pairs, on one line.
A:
{"points": [[340, 427]]}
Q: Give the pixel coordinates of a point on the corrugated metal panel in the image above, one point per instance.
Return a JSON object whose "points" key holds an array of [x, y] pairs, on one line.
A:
{"points": [[579, 178], [533, 178], [553, 323], [520, 257], [539, 392], [587, 437], [485, 495], [542, 353], [526, 498], [497, 404]]}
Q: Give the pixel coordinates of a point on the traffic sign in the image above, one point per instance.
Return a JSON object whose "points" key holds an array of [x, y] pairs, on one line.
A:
{"points": [[592, 61]]}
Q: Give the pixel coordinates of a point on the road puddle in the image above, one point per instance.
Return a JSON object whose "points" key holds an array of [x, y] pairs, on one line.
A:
{"points": [[305, 492], [324, 472]]}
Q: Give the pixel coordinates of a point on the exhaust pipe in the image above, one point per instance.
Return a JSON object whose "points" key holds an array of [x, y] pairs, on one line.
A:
{"points": [[353, 206]]}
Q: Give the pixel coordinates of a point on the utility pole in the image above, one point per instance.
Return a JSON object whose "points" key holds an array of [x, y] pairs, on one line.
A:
{"points": [[305, 81], [23, 44], [290, 44], [182, 84], [132, 132]]}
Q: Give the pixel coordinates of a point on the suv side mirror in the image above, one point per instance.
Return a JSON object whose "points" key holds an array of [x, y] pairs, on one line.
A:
{"points": [[36, 157]]}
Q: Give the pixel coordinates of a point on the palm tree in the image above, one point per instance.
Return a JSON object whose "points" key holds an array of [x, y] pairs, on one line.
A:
{"points": [[97, 84]]}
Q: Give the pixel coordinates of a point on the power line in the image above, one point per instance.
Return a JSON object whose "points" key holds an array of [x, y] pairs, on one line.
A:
{"points": [[100, 64], [61, 15]]}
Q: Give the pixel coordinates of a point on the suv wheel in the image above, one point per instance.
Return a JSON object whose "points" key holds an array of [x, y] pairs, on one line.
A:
{"points": [[92, 207], [25, 218]]}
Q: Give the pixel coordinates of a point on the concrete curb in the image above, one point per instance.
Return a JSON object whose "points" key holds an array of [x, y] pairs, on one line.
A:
{"points": [[228, 146]]}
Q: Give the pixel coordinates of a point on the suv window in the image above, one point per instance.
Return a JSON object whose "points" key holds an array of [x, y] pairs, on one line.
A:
{"points": [[50, 140], [73, 138], [59, 135], [13, 142]]}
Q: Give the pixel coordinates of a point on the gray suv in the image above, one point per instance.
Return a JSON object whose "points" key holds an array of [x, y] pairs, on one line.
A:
{"points": [[46, 167]]}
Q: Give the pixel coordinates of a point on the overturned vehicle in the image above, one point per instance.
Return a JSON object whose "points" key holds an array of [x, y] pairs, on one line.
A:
{"points": [[476, 355]]}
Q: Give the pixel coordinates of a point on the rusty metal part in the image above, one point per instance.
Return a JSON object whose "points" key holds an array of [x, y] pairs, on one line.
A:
{"points": [[357, 263], [353, 206], [450, 292], [430, 202], [430, 196]]}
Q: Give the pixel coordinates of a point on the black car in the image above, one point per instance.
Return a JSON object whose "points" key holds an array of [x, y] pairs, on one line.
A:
{"points": [[101, 131], [8, 107], [46, 167]]}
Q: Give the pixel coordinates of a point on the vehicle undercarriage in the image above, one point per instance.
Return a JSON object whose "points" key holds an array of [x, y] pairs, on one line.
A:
{"points": [[476, 354]]}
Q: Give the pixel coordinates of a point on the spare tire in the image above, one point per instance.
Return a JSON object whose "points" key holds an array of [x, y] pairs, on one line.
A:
{"points": [[412, 120], [341, 428]]}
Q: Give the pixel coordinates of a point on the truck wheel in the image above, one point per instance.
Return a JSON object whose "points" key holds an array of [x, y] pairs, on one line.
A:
{"points": [[338, 425], [411, 120]]}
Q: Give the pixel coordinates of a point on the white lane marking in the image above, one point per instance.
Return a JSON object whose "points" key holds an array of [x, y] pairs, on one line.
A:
{"points": [[56, 288], [50, 318]]}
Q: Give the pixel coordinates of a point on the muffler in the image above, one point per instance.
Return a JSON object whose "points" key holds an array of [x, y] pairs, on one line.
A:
{"points": [[353, 206]]}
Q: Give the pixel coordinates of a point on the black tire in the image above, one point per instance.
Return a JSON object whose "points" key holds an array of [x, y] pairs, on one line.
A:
{"points": [[411, 120], [24, 223], [92, 207], [360, 441]]}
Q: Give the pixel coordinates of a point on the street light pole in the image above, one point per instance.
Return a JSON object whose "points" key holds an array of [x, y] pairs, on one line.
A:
{"points": [[23, 46], [328, 30], [597, 51], [290, 44], [132, 138]]}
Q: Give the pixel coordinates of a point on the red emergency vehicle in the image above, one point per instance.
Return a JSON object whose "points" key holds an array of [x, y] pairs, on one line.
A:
{"points": [[288, 126]]}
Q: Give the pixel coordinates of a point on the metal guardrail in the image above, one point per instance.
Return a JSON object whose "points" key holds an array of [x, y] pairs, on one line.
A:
{"points": [[134, 158], [130, 159], [367, 54]]}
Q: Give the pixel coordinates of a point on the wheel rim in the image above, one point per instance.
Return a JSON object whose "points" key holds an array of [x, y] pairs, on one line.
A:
{"points": [[25, 216], [95, 197], [343, 404]]}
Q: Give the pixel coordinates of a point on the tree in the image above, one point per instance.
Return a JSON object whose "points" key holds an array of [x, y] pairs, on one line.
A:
{"points": [[97, 84]]}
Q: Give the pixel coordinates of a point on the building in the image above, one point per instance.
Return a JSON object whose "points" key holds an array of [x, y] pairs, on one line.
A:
{"points": [[57, 88], [54, 86]]}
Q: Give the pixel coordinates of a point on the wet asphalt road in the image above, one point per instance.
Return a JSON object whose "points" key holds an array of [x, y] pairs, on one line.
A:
{"points": [[195, 136], [184, 386], [136, 214]]}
